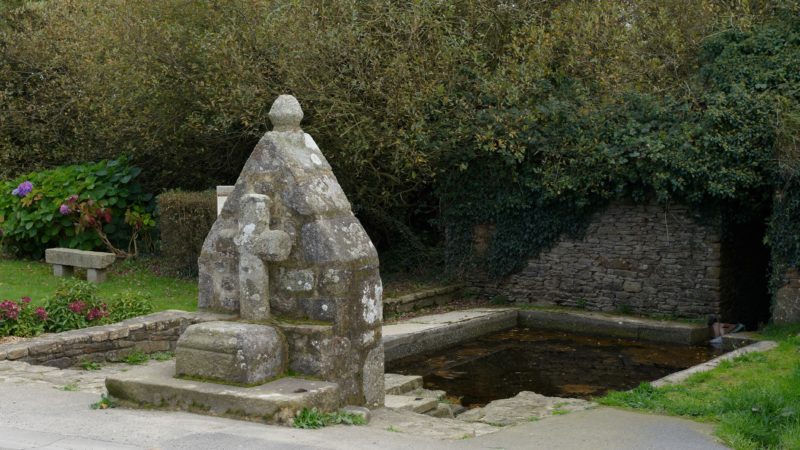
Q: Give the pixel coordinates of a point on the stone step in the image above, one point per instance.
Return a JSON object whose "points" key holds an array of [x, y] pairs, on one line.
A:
{"points": [[420, 299], [419, 405], [275, 401], [397, 384], [427, 393], [442, 410]]}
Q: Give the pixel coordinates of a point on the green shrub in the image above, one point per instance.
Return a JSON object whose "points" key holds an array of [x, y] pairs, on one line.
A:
{"points": [[187, 99], [33, 221], [128, 304], [564, 105], [185, 218], [75, 305]]}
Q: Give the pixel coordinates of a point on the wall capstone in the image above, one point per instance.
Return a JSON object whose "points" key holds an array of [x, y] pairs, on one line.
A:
{"points": [[157, 332]]}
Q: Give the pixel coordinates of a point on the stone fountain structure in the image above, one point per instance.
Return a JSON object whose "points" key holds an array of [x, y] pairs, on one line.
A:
{"points": [[288, 257]]}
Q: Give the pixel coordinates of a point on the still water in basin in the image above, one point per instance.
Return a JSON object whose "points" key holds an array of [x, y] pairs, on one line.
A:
{"points": [[551, 363]]}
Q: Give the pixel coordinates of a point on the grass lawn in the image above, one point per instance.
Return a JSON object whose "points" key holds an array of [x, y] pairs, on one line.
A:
{"points": [[34, 279], [754, 399]]}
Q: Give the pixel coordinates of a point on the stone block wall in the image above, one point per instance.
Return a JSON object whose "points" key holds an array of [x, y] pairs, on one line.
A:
{"points": [[393, 306], [153, 333], [787, 299], [634, 259]]}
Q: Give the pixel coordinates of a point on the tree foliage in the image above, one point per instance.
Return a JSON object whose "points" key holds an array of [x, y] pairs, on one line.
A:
{"points": [[560, 145], [528, 114], [183, 86]]}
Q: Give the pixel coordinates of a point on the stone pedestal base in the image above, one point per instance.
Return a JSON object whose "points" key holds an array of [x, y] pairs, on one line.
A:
{"points": [[95, 275], [276, 401], [231, 352], [62, 271]]}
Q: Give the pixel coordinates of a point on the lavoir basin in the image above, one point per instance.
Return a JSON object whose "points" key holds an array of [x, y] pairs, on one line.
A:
{"points": [[551, 363]]}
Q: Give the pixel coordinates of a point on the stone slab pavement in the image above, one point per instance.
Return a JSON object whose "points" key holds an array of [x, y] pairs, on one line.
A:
{"points": [[39, 416]]}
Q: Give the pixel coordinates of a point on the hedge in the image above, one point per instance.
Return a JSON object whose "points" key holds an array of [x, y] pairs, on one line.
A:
{"points": [[185, 89]]}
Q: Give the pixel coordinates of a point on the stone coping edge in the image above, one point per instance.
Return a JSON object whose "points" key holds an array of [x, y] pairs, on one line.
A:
{"points": [[151, 333], [159, 332], [437, 338], [408, 298], [419, 299], [677, 377], [431, 339], [741, 339], [615, 326]]}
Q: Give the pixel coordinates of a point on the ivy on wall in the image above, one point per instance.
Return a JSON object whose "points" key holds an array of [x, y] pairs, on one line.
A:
{"points": [[548, 153]]}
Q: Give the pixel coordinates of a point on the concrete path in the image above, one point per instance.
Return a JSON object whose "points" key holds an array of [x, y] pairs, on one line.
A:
{"points": [[605, 429], [37, 415], [47, 408]]}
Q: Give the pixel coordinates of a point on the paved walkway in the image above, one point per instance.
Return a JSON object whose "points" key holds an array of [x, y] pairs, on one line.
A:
{"points": [[48, 408], [18, 372], [36, 412]]}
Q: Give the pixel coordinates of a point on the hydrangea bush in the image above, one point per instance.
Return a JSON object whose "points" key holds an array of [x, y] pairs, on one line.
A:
{"points": [[90, 206], [23, 189], [75, 304], [20, 318]]}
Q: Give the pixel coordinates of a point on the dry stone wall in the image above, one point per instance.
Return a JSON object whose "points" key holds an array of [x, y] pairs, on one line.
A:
{"points": [[153, 333], [787, 299], [633, 258]]}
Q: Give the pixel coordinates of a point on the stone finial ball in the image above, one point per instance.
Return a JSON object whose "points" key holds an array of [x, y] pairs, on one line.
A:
{"points": [[286, 113]]}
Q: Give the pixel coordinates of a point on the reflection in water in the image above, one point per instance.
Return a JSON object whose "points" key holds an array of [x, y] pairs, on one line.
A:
{"points": [[551, 363]]}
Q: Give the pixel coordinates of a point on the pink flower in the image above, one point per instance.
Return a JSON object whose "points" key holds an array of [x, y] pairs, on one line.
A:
{"points": [[64, 210], [42, 313], [9, 309], [96, 313], [26, 300], [77, 307]]}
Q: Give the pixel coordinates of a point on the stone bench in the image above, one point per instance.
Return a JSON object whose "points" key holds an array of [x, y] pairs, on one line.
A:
{"points": [[64, 260]]}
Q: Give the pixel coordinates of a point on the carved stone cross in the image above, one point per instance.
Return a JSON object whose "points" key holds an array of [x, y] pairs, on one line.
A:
{"points": [[257, 245]]}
